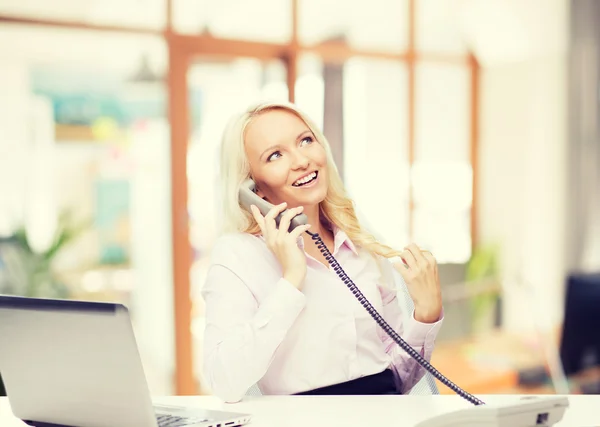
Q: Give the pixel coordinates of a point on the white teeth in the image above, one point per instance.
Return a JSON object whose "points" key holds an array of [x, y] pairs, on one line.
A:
{"points": [[306, 179]]}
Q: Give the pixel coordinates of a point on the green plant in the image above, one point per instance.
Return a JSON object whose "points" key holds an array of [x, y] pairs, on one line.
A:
{"points": [[483, 268], [30, 273]]}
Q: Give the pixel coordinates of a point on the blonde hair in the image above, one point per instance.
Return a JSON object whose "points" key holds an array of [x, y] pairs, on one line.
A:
{"points": [[336, 209]]}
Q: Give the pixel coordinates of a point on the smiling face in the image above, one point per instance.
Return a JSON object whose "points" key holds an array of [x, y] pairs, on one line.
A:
{"points": [[286, 161]]}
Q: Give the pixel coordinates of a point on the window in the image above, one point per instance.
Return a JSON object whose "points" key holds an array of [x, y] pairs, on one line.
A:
{"points": [[375, 146], [258, 20], [438, 27], [441, 176], [374, 25], [146, 14]]}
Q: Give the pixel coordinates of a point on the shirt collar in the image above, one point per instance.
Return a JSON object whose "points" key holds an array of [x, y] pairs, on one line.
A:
{"points": [[339, 238]]}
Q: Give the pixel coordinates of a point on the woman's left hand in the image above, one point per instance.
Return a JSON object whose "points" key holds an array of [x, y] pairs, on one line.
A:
{"points": [[420, 272]]}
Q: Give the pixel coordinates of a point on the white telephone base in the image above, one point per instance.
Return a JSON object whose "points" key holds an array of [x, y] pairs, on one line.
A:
{"points": [[526, 412]]}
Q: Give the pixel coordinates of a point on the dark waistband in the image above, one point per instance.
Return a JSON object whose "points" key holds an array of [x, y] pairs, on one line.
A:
{"points": [[381, 383]]}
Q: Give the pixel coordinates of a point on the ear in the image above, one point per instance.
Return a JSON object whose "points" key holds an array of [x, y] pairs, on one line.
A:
{"points": [[259, 193], [257, 189]]}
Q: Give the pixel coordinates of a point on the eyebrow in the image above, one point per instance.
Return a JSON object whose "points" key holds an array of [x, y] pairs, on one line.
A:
{"points": [[272, 147]]}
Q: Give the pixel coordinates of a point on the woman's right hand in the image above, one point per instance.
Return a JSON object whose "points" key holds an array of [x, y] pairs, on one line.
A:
{"points": [[282, 243]]}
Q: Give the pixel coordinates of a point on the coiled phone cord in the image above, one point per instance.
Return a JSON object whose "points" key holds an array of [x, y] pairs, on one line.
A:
{"points": [[385, 326]]}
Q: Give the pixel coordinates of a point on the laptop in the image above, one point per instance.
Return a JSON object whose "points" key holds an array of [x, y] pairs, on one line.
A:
{"points": [[76, 363]]}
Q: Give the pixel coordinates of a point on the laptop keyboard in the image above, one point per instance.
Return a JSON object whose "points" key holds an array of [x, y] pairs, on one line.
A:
{"points": [[175, 421]]}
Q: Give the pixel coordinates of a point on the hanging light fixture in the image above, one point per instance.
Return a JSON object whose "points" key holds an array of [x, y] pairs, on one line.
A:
{"points": [[144, 73]]}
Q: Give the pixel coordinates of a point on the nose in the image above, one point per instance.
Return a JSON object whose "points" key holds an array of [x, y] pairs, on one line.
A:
{"points": [[300, 161]]}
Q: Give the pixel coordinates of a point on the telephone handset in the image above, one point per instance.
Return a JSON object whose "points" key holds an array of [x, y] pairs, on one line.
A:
{"points": [[546, 410], [249, 197]]}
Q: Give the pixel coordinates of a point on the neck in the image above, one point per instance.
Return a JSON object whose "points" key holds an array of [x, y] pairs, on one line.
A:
{"points": [[312, 213]]}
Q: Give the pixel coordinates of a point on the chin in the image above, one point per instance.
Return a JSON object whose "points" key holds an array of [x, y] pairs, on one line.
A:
{"points": [[313, 198], [312, 201]]}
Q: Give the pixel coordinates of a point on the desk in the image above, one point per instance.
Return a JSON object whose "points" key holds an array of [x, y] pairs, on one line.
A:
{"points": [[348, 411]]}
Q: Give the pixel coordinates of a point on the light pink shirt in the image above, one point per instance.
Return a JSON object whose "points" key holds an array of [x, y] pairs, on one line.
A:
{"points": [[261, 329]]}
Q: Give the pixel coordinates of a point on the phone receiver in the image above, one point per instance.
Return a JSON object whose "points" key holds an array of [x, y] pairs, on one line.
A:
{"points": [[249, 197]]}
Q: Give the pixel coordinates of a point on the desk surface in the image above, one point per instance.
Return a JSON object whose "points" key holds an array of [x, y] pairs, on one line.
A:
{"points": [[292, 411]]}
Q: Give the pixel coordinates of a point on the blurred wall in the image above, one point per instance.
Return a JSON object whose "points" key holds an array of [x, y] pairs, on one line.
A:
{"points": [[584, 133], [522, 46]]}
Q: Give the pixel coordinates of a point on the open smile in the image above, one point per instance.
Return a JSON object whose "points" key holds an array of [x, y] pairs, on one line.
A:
{"points": [[307, 180]]}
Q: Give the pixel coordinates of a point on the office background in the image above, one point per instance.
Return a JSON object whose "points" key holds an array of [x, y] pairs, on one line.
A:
{"points": [[467, 126]]}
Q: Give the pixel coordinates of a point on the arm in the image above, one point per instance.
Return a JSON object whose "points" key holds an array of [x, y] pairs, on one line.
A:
{"points": [[241, 336], [420, 336]]}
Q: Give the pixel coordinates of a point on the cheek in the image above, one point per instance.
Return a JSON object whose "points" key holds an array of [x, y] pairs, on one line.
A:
{"points": [[320, 157], [275, 175]]}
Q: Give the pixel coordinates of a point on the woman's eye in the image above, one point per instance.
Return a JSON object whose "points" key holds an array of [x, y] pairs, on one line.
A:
{"points": [[271, 157], [308, 139]]}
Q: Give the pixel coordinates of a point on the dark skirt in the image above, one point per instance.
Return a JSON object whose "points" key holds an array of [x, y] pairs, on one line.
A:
{"points": [[381, 383]]}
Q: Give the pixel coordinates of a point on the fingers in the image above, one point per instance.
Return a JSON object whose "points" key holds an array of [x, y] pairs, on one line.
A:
{"points": [[417, 260], [270, 232], [260, 220], [409, 259], [268, 227], [284, 224], [275, 210], [431, 261], [296, 232], [417, 253]]}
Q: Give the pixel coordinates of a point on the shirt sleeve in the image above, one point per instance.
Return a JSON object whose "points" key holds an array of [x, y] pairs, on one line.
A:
{"points": [[420, 336], [241, 335]]}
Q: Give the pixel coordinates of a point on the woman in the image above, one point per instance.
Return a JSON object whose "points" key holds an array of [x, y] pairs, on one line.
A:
{"points": [[276, 314]]}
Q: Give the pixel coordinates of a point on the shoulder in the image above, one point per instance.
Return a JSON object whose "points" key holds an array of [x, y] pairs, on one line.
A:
{"points": [[244, 254], [248, 258], [233, 247]]}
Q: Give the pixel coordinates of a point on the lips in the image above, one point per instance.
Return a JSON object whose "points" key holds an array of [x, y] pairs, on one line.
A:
{"points": [[305, 179]]}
